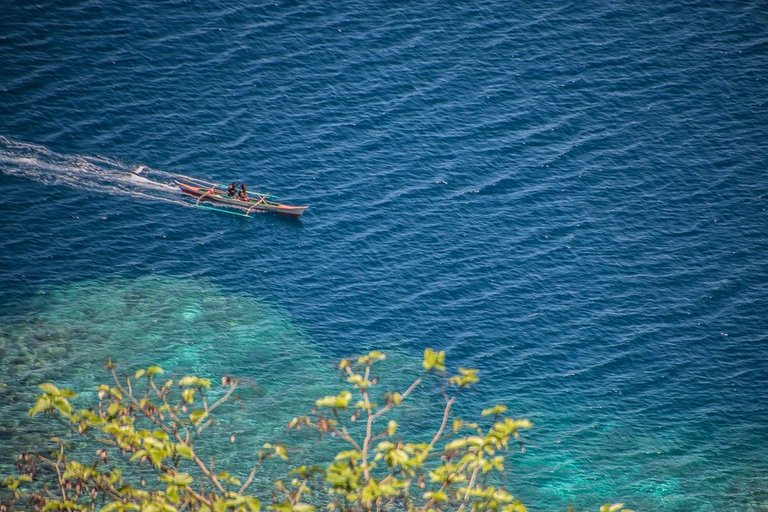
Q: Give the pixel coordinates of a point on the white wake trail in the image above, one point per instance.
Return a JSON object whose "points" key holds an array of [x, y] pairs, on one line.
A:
{"points": [[92, 173]]}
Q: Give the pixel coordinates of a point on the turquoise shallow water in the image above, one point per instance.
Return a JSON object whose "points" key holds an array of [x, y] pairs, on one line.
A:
{"points": [[571, 197]]}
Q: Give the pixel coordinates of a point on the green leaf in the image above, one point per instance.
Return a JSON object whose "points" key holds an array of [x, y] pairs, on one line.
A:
{"points": [[182, 479], [608, 507], [352, 455], [496, 410], [281, 451], [11, 483], [49, 388], [115, 475], [60, 505], [254, 505], [113, 408], [191, 380], [340, 401], [465, 378], [436, 496], [456, 444], [523, 424], [138, 455], [184, 451], [358, 381], [62, 405], [42, 404], [188, 395], [371, 357], [66, 393], [159, 434], [154, 370], [188, 380], [394, 398], [433, 360], [172, 492], [197, 416], [475, 440], [156, 456]]}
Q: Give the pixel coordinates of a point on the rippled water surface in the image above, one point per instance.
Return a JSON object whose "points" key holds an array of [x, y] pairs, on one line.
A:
{"points": [[569, 196]]}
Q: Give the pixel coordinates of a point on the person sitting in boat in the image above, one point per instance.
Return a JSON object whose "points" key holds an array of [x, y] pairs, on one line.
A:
{"points": [[232, 189], [243, 194]]}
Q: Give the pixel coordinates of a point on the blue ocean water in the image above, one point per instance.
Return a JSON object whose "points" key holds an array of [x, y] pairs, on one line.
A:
{"points": [[569, 196]]}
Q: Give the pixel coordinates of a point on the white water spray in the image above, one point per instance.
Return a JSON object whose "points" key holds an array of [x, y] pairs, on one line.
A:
{"points": [[93, 173]]}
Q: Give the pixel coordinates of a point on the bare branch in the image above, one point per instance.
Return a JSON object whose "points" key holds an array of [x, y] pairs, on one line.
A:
{"points": [[404, 395], [348, 438], [250, 478], [137, 404], [217, 403], [368, 426], [440, 430], [471, 484]]}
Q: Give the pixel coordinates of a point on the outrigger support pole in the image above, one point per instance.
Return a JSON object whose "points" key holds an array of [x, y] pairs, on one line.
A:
{"points": [[209, 191], [224, 211], [262, 199]]}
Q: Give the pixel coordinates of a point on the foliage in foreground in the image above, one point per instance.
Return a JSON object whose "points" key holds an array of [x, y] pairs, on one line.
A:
{"points": [[146, 432]]}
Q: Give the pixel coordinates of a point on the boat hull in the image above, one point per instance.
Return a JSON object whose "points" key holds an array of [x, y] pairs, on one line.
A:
{"points": [[217, 196]]}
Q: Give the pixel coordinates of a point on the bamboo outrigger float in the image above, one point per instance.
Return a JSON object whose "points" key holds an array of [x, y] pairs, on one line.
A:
{"points": [[211, 192]]}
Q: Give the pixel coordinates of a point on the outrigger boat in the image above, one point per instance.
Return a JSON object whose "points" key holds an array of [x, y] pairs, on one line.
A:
{"points": [[258, 203]]}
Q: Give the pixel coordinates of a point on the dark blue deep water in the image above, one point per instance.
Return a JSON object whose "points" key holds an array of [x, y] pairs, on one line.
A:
{"points": [[569, 196]]}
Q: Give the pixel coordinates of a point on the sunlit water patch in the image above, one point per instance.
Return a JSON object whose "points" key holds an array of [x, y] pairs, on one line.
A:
{"points": [[66, 334]]}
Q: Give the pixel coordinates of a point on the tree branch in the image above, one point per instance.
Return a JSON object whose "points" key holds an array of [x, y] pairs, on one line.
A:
{"points": [[368, 426], [405, 394], [250, 478], [471, 484], [439, 432]]}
